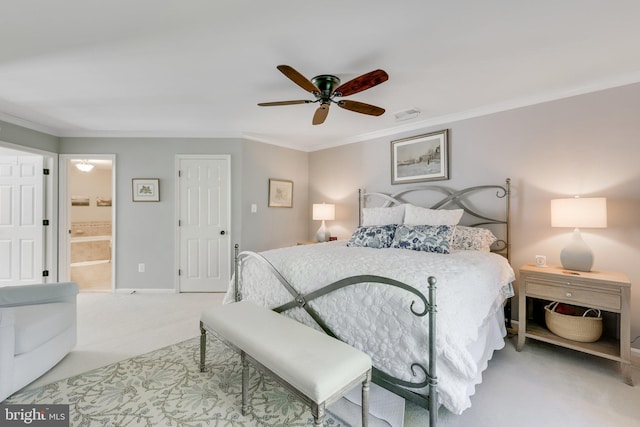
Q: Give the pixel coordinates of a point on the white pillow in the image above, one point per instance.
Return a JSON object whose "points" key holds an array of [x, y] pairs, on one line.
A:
{"points": [[382, 216], [415, 215]]}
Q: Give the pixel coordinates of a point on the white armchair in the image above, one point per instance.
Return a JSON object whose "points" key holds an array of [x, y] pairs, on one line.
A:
{"points": [[38, 325]]}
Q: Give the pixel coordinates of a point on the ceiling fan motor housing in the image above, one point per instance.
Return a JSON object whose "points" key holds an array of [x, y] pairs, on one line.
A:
{"points": [[326, 83]]}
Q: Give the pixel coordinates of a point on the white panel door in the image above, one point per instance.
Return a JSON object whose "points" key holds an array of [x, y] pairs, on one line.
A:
{"points": [[204, 193], [21, 230]]}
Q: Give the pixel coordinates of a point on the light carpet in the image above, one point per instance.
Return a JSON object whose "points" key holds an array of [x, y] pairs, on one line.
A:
{"points": [[165, 387]]}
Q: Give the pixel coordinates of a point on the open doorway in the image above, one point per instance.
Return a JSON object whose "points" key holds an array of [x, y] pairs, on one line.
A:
{"points": [[89, 201]]}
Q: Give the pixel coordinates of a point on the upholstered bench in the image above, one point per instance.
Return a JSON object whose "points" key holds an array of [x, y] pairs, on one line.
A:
{"points": [[315, 367]]}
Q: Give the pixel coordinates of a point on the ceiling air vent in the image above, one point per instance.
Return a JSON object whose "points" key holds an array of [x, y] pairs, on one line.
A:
{"points": [[409, 114]]}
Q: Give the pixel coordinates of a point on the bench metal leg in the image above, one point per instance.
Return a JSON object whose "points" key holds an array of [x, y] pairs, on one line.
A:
{"points": [[203, 347], [365, 399], [319, 413], [245, 383]]}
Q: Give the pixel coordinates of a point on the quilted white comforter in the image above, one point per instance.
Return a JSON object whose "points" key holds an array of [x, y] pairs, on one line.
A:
{"points": [[376, 318]]}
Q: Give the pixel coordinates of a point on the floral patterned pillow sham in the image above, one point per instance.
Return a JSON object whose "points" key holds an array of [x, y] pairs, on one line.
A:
{"points": [[428, 238], [373, 236], [472, 239]]}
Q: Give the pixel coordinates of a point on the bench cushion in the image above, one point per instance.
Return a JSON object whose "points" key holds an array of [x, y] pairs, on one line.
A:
{"points": [[311, 361]]}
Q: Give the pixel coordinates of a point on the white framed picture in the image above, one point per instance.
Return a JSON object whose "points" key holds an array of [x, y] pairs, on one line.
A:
{"points": [[146, 189], [420, 158]]}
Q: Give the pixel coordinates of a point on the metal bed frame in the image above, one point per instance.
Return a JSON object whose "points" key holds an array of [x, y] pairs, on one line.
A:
{"points": [[452, 199], [457, 199]]}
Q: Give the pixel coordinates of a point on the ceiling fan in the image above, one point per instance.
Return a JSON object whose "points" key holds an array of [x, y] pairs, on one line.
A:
{"points": [[326, 88]]}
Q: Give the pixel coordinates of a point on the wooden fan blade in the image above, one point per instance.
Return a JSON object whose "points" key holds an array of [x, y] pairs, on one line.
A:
{"points": [[363, 82], [272, 104], [361, 107], [321, 114], [298, 78]]}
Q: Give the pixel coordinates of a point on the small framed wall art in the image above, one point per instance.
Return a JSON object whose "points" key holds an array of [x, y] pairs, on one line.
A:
{"points": [[146, 189], [420, 158], [280, 193], [79, 201], [103, 201]]}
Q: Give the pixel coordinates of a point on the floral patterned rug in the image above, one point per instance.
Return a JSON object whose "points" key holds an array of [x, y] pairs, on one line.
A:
{"points": [[166, 388]]}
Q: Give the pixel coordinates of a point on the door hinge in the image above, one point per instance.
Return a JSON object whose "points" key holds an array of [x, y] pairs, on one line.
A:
{"points": [[179, 223], [45, 171], [179, 173], [179, 272], [45, 273], [45, 222]]}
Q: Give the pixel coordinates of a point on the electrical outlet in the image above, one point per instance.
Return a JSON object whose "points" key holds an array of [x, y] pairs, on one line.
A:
{"points": [[254, 208], [141, 268]]}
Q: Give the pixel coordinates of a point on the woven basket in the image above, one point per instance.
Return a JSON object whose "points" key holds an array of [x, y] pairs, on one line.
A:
{"points": [[576, 328]]}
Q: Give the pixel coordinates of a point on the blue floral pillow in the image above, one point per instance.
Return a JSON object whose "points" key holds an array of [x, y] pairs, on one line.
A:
{"points": [[428, 238], [377, 236]]}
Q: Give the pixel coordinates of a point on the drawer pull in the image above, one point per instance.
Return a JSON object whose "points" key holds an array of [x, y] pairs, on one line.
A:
{"points": [[568, 294]]}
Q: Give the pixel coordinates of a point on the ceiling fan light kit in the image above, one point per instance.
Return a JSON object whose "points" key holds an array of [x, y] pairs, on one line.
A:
{"points": [[326, 88]]}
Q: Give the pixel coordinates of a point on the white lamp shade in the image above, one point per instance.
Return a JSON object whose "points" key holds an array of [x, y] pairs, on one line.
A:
{"points": [[577, 212], [324, 212]]}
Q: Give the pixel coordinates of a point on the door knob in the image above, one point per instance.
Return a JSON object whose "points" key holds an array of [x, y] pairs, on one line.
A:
{"points": [[222, 233]]}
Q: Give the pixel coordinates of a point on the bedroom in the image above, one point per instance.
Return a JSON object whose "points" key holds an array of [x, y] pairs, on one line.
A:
{"points": [[585, 143]]}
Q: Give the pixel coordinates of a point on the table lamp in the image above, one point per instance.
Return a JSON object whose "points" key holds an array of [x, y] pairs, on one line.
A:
{"points": [[323, 212], [577, 212]]}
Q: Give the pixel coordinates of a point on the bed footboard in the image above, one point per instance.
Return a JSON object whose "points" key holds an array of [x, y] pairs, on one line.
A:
{"points": [[426, 307]]}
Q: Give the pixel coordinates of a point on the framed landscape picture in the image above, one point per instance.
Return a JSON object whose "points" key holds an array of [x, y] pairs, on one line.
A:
{"points": [[103, 201], [79, 201], [280, 193], [420, 158]]}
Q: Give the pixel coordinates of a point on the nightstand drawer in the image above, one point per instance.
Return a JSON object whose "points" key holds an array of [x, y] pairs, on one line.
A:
{"points": [[574, 295]]}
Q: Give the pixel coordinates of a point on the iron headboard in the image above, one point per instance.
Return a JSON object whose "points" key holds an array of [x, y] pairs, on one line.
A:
{"points": [[457, 199]]}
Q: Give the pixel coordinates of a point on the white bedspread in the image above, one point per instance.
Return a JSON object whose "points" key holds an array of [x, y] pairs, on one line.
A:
{"points": [[376, 318]]}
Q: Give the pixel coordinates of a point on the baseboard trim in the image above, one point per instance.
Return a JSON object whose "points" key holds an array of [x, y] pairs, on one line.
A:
{"points": [[145, 291]]}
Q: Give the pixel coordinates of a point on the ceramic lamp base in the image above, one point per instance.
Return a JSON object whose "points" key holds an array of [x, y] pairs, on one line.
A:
{"points": [[323, 234], [577, 255]]}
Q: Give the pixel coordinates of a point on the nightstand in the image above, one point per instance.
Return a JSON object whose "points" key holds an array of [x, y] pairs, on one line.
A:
{"points": [[604, 290]]}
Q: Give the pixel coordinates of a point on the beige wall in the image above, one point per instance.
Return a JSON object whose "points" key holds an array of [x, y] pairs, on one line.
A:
{"points": [[273, 227], [93, 185], [586, 145]]}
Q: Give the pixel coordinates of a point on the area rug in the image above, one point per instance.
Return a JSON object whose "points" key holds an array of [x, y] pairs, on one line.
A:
{"points": [[166, 388]]}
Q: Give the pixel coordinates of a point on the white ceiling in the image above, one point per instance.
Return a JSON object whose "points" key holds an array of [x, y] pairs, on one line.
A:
{"points": [[197, 68]]}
